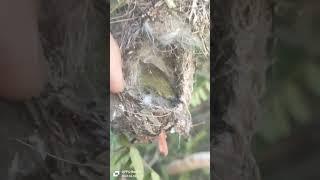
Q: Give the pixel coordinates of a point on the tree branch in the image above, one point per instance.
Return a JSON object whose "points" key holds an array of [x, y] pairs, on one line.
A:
{"points": [[192, 162]]}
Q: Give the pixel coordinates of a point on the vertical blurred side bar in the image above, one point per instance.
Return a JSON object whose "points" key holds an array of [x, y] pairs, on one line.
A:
{"points": [[241, 30], [108, 85]]}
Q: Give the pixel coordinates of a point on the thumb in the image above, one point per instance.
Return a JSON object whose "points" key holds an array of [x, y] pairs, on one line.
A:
{"points": [[116, 75]]}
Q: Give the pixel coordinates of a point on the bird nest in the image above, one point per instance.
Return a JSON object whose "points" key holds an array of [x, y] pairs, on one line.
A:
{"points": [[159, 54], [156, 97]]}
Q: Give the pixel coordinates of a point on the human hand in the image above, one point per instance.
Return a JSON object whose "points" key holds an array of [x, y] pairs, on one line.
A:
{"points": [[116, 75]]}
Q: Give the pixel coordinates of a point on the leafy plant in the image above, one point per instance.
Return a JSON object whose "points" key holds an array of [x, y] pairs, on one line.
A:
{"points": [[201, 90], [293, 87], [137, 162], [116, 4], [125, 156]]}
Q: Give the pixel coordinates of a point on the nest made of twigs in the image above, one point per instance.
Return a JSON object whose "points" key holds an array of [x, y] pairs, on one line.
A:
{"points": [[157, 39]]}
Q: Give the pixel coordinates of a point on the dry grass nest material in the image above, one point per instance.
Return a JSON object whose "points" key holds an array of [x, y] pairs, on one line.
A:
{"points": [[160, 47]]}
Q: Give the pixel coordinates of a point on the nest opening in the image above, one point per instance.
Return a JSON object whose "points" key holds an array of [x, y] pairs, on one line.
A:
{"points": [[154, 97]]}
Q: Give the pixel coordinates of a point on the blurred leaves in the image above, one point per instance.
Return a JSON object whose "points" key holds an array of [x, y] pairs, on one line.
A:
{"points": [[312, 74], [275, 123], [123, 140], [201, 90], [296, 103], [137, 162], [289, 97], [293, 85], [154, 175], [193, 143], [125, 156], [118, 160], [116, 4]]}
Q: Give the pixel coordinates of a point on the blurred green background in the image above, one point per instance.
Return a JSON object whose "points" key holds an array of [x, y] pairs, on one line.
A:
{"points": [[287, 143]]}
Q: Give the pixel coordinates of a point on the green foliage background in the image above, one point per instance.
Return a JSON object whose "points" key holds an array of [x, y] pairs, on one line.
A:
{"points": [[293, 87]]}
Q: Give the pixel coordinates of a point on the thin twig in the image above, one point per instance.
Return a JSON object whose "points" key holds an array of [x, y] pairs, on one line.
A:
{"points": [[193, 9], [147, 115], [123, 20], [198, 124], [192, 162]]}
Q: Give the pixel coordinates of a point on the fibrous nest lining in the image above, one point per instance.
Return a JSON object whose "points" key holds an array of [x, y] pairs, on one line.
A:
{"points": [[151, 102], [159, 52]]}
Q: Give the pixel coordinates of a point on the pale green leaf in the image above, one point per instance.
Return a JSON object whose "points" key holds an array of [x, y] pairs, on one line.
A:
{"points": [[154, 175], [195, 100], [137, 162], [118, 159], [203, 94], [207, 85]]}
